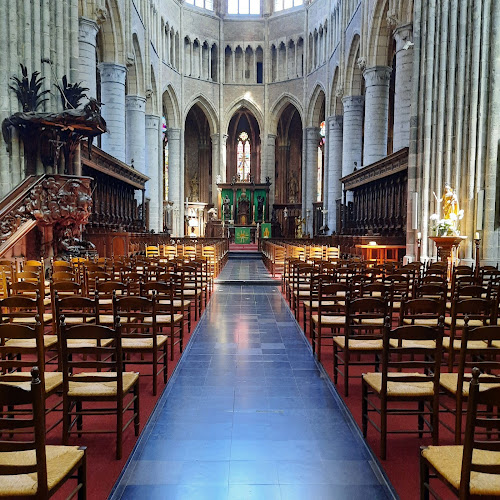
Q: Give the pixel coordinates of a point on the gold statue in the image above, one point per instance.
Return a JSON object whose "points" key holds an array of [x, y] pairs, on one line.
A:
{"points": [[298, 226], [450, 203]]}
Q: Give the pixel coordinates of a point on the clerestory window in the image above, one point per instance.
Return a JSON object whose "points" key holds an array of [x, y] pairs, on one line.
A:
{"points": [[286, 4], [243, 7]]}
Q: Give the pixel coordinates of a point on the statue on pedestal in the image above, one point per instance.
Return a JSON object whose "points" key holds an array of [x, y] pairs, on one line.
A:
{"points": [[226, 208], [260, 208]]}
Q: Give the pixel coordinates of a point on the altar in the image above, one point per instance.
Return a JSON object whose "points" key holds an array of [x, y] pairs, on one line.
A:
{"points": [[243, 204]]}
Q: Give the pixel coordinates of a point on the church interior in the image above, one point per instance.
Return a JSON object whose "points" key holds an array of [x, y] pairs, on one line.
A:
{"points": [[289, 210]]}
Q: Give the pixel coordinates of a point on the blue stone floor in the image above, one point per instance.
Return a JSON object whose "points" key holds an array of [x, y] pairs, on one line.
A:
{"points": [[248, 414]]}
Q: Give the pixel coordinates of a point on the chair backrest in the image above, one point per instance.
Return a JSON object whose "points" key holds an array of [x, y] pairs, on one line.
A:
{"points": [[365, 316], [421, 308], [478, 425], [78, 356], [18, 308], [133, 313], [33, 423], [405, 348], [11, 358], [474, 308]]}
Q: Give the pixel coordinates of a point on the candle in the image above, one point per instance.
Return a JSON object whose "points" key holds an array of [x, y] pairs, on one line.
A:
{"points": [[477, 236], [419, 235]]}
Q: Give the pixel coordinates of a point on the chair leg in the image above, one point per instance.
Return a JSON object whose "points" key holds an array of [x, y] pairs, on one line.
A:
{"points": [[137, 408], [82, 478], [79, 418], [383, 430], [335, 364], [420, 419], [424, 478], [364, 408], [66, 418], [155, 372], [165, 363], [346, 377], [119, 430]]}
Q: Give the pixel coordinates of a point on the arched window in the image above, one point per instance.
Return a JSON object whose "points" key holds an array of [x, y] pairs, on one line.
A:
{"points": [[319, 178], [243, 158], [243, 7]]}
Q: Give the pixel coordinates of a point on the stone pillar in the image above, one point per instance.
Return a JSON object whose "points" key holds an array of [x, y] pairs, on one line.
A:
{"points": [[376, 113], [154, 185], [335, 150], [311, 142], [87, 55], [270, 170], [174, 180], [113, 111], [215, 168], [403, 86], [352, 142], [135, 125]]}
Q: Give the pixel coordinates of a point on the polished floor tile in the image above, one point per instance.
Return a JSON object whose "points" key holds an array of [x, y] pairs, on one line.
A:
{"points": [[248, 414]]}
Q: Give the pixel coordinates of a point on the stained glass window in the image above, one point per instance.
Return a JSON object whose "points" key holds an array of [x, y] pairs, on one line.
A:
{"points": [[243, 157]]}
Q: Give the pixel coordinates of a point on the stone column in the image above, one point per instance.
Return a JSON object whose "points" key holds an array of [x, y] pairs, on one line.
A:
{"points": [[135, 126], [335, 150], [270, 170], [403, 86], [87, 55], [174, 180], [215, 168], [113, 111], [376, 113], [311, 140], [353, 133], [154, 185]]}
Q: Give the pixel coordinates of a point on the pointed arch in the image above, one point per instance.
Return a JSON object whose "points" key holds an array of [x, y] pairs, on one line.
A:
{"points": [[379, 35], [209, 110], [170, 106], [277, 109], [353, 78], [244, 103], [135, 75], [316, 103], [112, 33], [336, 107]]}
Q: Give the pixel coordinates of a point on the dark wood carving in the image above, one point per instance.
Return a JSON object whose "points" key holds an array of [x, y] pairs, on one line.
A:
{"points": [[63, 202], [379, 198]]}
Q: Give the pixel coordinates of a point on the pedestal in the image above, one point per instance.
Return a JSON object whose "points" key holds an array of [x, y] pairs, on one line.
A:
{"points": [[446, 245]]}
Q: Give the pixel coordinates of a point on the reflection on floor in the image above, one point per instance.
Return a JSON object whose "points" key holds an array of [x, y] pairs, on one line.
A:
{"points": [[248, 414]]}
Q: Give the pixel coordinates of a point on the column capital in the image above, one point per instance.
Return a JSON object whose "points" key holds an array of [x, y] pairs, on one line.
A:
{"points": [[311, 133], [335, 121], [112, 72], [152, 121], [135, 103], [271, 137], [215, 139], [403, 35], [377, 76], [353, 102], [87, 31], [174, 134]]}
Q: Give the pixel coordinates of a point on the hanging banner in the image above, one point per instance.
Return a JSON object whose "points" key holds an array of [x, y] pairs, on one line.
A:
{"points": [[242, 235], [265, 230]]}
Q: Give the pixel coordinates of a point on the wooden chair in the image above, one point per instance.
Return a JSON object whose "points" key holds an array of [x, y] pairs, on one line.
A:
{"points": [[362, 336], [109, 383], [331, 313], [137, 316], [19, 345], [30, 468], [167, 318], [404, 348], [479, 312], [480, 347], [471, 471]]}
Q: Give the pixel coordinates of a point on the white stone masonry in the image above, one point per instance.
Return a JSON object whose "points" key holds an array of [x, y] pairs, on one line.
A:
{"points": [[153, 170], [377, 81], [403, 87], [113, 110], [335, 127]]}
